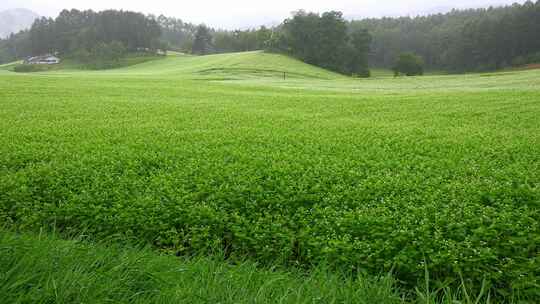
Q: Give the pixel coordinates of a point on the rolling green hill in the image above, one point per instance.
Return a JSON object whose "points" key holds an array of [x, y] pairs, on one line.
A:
{"points": [[233, 66], [265, 69], [247, 65], [197, 155]]}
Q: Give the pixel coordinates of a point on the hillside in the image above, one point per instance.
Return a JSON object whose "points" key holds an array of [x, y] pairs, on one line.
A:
{"points": [[267, 69], [15, 20], [230, 66], [233, 66]]}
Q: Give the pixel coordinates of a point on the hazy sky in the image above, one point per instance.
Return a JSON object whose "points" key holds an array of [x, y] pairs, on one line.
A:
{"points": [[243, 13]]}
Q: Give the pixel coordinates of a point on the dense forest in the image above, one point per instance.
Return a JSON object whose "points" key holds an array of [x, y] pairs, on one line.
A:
{"points": [[461, 40], [325, 41], [86, 35], [458, 41]]}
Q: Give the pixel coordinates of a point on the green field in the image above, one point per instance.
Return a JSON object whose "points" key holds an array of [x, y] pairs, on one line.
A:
{"points": [[263, 158]]}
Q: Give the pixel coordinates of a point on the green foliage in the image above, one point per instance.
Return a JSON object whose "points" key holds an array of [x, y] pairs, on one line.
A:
{"points": [[202, 43], [408, 64], [183, 37], [101, 37], [176, 33], [43, 269], [357, 54], [460, 40], [102, 55], [78, 271], [323, 40], [15, 47], [241, 41], [368, 176]]}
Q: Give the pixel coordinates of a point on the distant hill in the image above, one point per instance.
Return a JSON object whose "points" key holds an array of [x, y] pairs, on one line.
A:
{"points": [[233, 66], [14, 20]]}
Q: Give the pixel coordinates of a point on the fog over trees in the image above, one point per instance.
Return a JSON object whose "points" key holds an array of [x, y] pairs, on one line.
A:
{"points": [[458, 41], [462, 40]]}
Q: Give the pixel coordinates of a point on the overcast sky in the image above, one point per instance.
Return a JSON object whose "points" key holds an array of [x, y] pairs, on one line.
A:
{"points": [[243, 13]]}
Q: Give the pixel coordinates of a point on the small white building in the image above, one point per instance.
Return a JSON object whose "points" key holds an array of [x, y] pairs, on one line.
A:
{"points": [[45, 59]]}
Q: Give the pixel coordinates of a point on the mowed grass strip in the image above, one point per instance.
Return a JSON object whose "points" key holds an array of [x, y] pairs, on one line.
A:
{"points": [[368, 182]]}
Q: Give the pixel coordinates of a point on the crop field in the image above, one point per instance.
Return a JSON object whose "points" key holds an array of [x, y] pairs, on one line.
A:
{"points": [[264, 158]]}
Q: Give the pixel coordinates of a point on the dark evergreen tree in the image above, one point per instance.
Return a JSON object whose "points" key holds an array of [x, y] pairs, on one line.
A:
{"points": [[202, 43]]}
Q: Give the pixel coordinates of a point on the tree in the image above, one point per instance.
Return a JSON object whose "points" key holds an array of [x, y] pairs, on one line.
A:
{"points": [[301, 36], [202, 44], [323, 40], [16, 46], [241, 41], [360, 41], [409, 64], [177, 34], [42, 36], [111, 52], [332, 41]]}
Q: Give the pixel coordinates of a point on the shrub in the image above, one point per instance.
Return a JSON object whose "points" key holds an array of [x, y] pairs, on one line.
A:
{"points": [[409, 64]]}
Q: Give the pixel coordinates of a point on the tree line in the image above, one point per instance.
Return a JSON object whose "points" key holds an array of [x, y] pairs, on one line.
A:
{"points": [[202, 39], [322, 40], [86, 35], [458, 41], [461, 40]]}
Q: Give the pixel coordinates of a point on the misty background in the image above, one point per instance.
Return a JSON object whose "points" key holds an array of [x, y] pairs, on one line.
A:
{"points": [[245, 13], [344, 37]]}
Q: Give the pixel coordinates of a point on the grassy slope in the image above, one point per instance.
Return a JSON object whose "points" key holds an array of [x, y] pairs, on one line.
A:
{"points": [[74, 65], [247, 65], [257, 69], [236, 65], [396, 167]]}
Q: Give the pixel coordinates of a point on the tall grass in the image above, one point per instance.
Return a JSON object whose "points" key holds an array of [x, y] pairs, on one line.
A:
{"points": [[45, 269]]}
